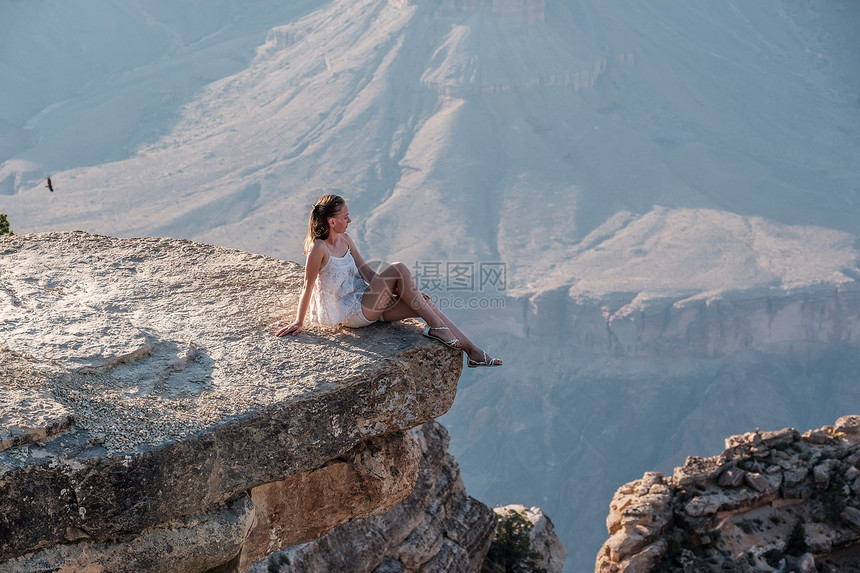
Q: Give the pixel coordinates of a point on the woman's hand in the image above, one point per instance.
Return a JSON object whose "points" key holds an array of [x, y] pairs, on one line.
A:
{"points": [[293, 329]]}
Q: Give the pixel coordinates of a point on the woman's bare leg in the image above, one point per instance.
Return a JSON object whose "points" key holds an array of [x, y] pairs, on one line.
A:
{"points": [[394, 295], [400, 311], [394, 287]]}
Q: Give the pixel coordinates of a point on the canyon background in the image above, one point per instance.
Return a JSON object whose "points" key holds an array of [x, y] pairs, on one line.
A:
{"points": [[671, 191]]}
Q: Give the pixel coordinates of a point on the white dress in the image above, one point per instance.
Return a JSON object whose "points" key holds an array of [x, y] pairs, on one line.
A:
{"points": [[336, 296]]}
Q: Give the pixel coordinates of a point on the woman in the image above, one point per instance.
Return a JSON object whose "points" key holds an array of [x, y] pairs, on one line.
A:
{"points": [[341, 289]]}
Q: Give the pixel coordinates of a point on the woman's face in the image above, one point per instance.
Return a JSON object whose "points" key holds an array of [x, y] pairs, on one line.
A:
{"points": [[339, 222]]}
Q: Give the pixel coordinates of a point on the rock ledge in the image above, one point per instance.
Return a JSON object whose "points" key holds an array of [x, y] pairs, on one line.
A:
{"points": [[143, 395]]}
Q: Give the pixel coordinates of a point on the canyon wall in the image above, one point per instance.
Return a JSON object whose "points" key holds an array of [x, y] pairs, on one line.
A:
{"points": [[598, 389], [775, 321]]}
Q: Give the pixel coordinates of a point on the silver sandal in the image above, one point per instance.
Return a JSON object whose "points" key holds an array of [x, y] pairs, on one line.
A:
{"points": [[454, 343], [487, 361]]}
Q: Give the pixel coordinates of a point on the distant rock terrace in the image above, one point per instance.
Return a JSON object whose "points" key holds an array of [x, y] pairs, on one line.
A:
{"points": [[150, 420]]}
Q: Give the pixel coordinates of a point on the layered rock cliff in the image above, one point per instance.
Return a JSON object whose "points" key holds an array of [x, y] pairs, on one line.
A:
{"points": [[658, 336], [151, 422], [779, 322], [772, 501], [700, 283], [437, 528]]}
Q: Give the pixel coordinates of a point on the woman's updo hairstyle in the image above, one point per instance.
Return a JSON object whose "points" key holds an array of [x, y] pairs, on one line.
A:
{"points": [[326, 207]]}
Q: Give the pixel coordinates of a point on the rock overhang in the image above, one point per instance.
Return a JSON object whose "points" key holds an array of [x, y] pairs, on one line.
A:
{"points": [[155, 369]]}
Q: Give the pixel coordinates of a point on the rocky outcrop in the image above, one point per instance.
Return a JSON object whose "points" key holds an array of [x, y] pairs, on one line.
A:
{"points": [[437, 528], [151, 422], [773, 501]]}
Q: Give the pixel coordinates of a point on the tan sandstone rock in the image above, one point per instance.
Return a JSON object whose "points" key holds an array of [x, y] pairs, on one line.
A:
{"points": [[376, 475], [437, 528]]}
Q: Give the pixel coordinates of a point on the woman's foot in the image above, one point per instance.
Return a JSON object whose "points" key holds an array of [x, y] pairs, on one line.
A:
{"points": [[451, 343], [482, 359]]}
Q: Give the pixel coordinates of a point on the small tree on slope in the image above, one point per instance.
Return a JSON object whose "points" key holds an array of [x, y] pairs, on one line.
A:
{"points": [[511, 550], [5, 229]]}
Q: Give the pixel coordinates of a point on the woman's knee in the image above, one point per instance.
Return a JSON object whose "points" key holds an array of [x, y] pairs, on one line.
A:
{"points": [[402, 270], [393, 270], [397, 271]]}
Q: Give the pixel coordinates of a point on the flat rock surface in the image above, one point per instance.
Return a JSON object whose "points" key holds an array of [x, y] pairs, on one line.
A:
{"points": [[148, 340]]}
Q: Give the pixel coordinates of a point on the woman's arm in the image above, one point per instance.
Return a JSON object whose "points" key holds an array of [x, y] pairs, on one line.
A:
{"points": [[363, 268], [312, 269]]}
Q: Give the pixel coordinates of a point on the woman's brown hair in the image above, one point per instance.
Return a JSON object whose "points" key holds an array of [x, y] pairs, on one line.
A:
{"points": [[326, 207]]}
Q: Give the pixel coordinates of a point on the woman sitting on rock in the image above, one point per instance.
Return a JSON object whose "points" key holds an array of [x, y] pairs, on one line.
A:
{"points": [[341, 289]]}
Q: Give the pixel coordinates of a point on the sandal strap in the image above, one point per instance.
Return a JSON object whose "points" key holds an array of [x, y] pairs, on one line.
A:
{"points": [[488, 360], [480, 363]]}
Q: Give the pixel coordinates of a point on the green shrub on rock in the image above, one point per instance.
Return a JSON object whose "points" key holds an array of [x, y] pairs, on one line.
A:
{"points": [[5, 229], [795, 545], [511, 550]]}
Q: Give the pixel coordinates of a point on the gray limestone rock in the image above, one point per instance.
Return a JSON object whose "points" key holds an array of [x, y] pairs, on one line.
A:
{"points": [[390, 565], [30, 413], [745, 528], [851, 516], [648, 480], [806, 564], [815, 436], [756, 481], [780, 437], [731, 477], [186, 544], [158, 390], [847, 425], [699, 470], [821, 473], [793, 482]]}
